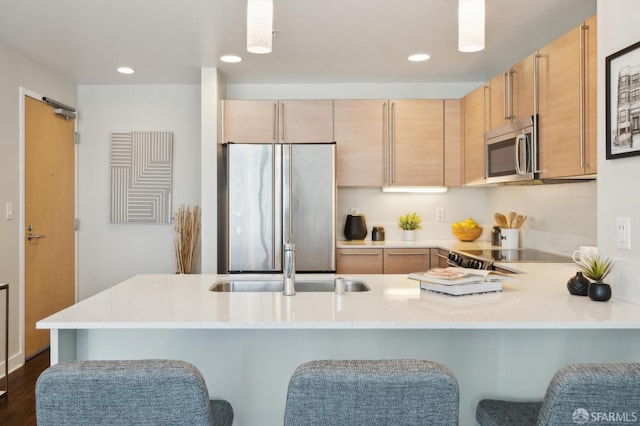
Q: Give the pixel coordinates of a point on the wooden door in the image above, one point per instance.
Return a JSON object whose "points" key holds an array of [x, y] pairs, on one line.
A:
{"points": [[417, 142], [49, 213], [559, 107], [306, 121], [591, 95], [359, 261], [474, 136], [250, 121], [360, 131], [453, 140], [501, 100], [405, 261], [523, 78]]}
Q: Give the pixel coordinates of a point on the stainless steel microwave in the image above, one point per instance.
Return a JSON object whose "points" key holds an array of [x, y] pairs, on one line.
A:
{"points": [[511, 152]]}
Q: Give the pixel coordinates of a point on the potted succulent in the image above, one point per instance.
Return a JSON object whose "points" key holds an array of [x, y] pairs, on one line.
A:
{"points": [[409, 223], [596, 269]]}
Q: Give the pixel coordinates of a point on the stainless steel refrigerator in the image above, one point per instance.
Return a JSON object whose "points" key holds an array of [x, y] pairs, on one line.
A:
{"points": [[272, 194]]}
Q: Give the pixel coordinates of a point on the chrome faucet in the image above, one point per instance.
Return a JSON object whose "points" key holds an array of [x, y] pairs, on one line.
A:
{"points": [[289, 269]]}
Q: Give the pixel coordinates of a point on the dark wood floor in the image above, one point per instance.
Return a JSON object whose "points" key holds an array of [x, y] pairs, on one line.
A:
{"points": [[18, 407]]}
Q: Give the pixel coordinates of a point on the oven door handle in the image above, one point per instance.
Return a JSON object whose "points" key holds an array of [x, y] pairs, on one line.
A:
{"points": [[518, 150]]}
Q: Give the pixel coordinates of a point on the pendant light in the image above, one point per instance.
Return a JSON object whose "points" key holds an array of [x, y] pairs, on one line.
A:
{"points": [[259, 26], [470, 25]]}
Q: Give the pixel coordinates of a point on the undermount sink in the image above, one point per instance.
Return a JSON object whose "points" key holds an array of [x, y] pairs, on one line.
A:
{"points": [[227, 285]]}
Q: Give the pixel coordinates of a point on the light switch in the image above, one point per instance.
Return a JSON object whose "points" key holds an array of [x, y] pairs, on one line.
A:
{"points": [[623, 233], [8, 211]]}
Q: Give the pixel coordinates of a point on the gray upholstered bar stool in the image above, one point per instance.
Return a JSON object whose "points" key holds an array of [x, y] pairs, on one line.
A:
{"points": [[140, 392], [577, 394], [376, 392]]}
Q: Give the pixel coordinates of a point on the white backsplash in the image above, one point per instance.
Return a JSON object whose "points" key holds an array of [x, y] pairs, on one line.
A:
{"points": [[561, 217]]}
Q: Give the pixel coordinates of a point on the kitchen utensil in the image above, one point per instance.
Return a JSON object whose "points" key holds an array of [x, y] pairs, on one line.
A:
{"points": [[520, 220], [511, 220], [356, 227], [501, 220]]}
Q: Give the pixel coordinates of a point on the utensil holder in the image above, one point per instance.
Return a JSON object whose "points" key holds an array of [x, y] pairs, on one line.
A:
{"points": [[510, 238]]}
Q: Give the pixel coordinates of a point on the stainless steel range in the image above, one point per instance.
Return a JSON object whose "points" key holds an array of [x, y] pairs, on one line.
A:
{"points": [[485, 259]]}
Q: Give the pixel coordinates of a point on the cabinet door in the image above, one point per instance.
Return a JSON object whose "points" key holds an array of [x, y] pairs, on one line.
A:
{"points": [[404, 261], [416, 143], [360, 131], [474, 137], [453, 149], [563, 110], [591, 94], [250, 121], [306, 121], [359, 261], [511, 94], [523, 78], [500, 100]]}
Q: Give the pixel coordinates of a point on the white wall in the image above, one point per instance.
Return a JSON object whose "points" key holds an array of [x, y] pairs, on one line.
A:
{"points": [[350, 91], [560, 217], [383, 209], [111, 253], [617, 179], [17, 71]]}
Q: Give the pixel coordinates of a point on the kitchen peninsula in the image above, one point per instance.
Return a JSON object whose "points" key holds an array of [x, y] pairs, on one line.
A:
{"points": [[247, 345]]}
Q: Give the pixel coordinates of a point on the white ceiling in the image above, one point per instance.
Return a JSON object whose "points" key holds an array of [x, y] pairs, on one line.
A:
{"points": [[318, 41]]}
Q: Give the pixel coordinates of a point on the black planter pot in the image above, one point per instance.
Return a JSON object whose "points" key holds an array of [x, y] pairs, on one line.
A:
{"points": [[600, 292], [578, 285]]}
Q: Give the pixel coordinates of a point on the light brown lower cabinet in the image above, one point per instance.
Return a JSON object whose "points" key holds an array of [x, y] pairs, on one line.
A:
{"points": [[382, 261], [359, 261], [404, 261]]}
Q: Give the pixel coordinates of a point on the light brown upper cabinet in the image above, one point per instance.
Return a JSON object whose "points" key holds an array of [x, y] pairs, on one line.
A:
{"points": [[415, 149], [361, 131], [474, 122], [285, 121], [511, 94], [393, 143], [453, 141], [567, 104], [250, 121]]}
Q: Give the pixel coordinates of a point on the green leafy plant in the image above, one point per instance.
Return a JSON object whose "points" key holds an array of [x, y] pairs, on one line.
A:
{"points": [[410, 221], [596, 268]]}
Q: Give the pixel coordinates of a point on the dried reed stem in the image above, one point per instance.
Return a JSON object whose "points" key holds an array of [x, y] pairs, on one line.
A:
{"points": [[187, 226]]}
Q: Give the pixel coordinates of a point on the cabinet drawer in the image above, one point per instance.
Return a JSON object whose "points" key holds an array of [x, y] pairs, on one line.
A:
{"points": [[404, 261], [359, 261]]}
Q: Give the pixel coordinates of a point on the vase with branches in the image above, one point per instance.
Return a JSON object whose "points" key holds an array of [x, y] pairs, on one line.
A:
{"points": [[186, 223]]}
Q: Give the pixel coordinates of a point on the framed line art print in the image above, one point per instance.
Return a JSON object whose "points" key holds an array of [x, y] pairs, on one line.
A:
{"points": [[623, 102]]}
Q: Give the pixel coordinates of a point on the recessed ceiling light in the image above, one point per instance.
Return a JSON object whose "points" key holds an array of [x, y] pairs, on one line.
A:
{"points": [[419, 57], [126, 70], [231, 59]]}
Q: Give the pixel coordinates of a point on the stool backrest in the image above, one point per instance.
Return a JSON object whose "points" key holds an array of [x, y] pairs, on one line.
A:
{"points": [[372, 392], [140, 392], [582, 393]]}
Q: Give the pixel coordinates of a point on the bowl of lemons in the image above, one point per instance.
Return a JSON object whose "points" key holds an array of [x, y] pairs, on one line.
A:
{"points": [[466, 230]]}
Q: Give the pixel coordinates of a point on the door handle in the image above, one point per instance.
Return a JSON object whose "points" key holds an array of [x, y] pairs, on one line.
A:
{"points": [[31, 236]]}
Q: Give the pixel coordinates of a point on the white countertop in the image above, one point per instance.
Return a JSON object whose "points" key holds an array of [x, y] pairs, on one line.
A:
{"points": [[539, 300]]}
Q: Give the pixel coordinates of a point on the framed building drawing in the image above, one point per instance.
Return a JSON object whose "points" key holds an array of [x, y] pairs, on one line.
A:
{"points": [[623, 102], [141, 166]]}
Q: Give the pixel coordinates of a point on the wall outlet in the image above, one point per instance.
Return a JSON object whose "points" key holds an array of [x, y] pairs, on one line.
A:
{"points": [[623, 233], [440, 214], [355, 210]]}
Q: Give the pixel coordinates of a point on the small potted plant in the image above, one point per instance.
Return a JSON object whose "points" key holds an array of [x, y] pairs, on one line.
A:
{"points": [[596, 269], [409, 223]]}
